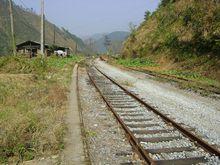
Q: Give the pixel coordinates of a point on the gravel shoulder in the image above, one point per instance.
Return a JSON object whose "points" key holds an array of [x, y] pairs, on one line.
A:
{"points": [[193, 111], [107, 143]]}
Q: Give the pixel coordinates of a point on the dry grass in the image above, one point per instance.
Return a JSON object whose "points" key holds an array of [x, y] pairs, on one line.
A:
{"points": [[32, 109], [127, 83], [180, 37]]}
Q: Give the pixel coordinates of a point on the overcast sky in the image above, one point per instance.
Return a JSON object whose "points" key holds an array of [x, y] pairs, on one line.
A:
{"points": [[87, 17]]}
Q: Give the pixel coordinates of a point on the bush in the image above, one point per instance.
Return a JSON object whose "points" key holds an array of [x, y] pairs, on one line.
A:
{"points": [[137, 62]]}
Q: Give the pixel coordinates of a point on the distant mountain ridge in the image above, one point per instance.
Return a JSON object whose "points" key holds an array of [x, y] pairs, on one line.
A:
{"points": [[116, 38], [27, 27]]}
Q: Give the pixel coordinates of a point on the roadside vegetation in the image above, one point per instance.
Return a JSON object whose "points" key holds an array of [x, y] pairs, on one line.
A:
{"points": [[137, 62], [33, 102], [181, 37], [163, 71]]}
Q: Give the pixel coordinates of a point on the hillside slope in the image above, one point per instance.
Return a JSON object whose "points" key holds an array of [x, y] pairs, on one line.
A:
{"points": [[181, 34], [27, 27]]}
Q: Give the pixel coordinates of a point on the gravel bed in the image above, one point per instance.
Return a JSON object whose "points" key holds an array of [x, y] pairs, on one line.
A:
{"points": [[135, 117], [146, 129], [144, 122], [184, 142], [195, 111], [131, 113], [174, 143], [107, 143], [173, 134], [178, 155]]}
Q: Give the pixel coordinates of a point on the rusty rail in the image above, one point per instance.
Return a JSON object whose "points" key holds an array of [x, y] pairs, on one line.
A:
{"points": [[207, 147]]}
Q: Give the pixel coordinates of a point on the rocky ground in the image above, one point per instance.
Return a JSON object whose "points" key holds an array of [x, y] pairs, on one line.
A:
{"points": [[106, 140], [200, 114]]}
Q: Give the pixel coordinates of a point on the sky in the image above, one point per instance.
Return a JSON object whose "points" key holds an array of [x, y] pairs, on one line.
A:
{"points": [[88, 17]]}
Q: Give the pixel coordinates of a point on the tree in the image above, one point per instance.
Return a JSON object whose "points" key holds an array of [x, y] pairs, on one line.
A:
{"points": [[107, 43], [132, 28], [166, 2], [147, 15]]}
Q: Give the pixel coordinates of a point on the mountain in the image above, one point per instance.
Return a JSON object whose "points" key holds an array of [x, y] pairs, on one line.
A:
{"points": [[116, 38], [98, 36], [27, 27], [183, 33]]}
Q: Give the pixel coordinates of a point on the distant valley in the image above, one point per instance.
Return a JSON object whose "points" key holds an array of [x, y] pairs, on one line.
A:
{"points": [[116, 40]]}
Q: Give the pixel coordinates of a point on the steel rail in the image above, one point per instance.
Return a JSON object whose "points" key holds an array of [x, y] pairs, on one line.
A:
{"points": [[141, 152], [200, 142]]}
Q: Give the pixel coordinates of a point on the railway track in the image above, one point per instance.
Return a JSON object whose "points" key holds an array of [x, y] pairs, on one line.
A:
{"points": [[156, 138]]}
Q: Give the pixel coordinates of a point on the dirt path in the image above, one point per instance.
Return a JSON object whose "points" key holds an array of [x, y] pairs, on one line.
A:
{"points": [[74, 153], [199, 113]]}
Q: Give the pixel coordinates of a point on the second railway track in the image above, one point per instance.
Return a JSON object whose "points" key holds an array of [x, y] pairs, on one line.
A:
{"points": [[156, 138]]}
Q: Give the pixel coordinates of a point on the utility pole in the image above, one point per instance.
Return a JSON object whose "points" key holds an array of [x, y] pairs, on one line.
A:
{"points": [[42, 28], [76, 47], [54, 34], [12, 27]]}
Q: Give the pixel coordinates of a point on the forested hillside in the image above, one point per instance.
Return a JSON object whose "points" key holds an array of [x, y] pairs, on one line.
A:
{"points": [[27, 27], [181, 34]]}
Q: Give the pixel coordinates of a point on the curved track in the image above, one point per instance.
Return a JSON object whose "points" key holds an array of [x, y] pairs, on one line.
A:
{"points": [[156, 138]]}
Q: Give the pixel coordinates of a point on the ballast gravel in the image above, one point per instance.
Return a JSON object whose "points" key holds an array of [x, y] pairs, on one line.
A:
{"points": [[106, 141], [201, 114]]}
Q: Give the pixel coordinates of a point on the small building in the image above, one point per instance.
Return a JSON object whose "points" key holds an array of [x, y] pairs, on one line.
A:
{"points": [[56, 48], [32, 48]]}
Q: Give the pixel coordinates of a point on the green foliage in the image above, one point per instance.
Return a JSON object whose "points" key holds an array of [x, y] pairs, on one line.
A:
{"points": [[147, 15], [21, 64], [27, 135], [190, 76], [166, 2], [180, 27], [133, 29], [58, 62], [137, 62]]}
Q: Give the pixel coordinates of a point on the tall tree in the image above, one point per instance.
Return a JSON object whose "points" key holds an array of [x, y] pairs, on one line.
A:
{"points": [[166, 2], [147, 15], [107, 43]]}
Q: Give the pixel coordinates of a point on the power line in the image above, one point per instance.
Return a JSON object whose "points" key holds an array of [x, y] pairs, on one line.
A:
{"points": [[23, 4]]}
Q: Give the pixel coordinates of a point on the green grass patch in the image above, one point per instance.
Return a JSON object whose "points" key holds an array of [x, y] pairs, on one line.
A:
{"points": [[21, 64], [189, 75], [136, 62]]}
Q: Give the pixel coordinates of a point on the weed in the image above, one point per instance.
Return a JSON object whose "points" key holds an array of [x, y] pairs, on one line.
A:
{"points": [[137, 62], [127, 83], [91, 133], [33, 97]]}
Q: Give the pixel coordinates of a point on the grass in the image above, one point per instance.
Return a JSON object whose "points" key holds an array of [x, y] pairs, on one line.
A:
{"points": [[33, 102], [136, 62], [197, 79], [189, 75], [127, 83]]}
